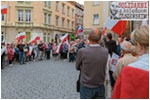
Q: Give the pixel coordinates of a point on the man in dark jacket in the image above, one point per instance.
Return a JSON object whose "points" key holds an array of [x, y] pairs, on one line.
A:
{"points": [[21, 53], [91, 61], [111, 44]]}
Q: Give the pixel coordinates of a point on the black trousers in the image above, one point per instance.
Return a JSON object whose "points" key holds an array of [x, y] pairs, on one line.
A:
{"points": [[48, 54], [71, 57], [10, 61], [65, 55], [111, 79], [2, 61]]}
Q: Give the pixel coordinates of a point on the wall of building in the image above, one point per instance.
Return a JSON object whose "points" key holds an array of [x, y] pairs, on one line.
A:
{"points": [[37, 24], [89, 10]]}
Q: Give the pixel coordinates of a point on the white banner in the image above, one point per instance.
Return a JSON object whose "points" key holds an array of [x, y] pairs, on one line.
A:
{"points": [[129, 10]]}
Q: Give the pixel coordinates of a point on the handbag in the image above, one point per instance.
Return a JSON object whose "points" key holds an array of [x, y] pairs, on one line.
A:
{"points": [[78, 84]]}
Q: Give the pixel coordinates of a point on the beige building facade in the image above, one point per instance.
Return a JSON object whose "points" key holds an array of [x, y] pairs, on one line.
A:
{"points": [[37, 17], [95, 13]]}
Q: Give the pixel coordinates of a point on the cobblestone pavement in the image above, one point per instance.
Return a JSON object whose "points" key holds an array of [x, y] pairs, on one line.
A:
{"points": [[46, 79]]}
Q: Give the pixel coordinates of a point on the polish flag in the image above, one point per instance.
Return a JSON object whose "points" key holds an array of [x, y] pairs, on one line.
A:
{"points": [[4, 9], [117, 26], [30, 51], [20, 36], [63, 38], [79, 30], [58, 48], [34, 39], [103, 32]]}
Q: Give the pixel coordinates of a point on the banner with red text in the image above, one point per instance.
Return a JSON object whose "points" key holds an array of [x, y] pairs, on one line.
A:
{"points": [[129, 10]]}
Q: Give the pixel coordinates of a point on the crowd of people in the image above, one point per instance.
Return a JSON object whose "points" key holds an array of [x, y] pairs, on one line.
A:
{"points": [[25, 52], [129, 79], [93, 56]]}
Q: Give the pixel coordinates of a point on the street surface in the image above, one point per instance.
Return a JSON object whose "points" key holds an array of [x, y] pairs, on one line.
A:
{"points": [[46, 79]]}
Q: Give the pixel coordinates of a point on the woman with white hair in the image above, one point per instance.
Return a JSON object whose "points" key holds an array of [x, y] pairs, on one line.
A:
{"points": [[133, 81], [126, 49]]}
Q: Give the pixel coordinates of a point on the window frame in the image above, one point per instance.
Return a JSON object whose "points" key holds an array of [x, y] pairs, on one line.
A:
{"points": [[2, 17], [68, 11], [57, 20], [63, 8], [28, 15], [20, 16], [96, 19], [57, 3], [96, 3], [45, 3], [49, 19], [63, 22], [68, 22], [44, 37], [45, 18]]}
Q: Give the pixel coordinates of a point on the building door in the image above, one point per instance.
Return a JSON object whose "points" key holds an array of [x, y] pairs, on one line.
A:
{"points": [[28, 36]]}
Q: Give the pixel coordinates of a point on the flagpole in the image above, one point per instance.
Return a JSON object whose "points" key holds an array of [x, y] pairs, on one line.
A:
{"points": [[6, 24]]}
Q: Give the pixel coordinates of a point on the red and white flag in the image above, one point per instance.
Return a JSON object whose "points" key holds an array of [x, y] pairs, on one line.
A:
{"points": [[30, 51], [117, 26], [63, 38], [58, 48], [20, 36], [79, 30], [4, 9], [103, 32], [34, 39]]}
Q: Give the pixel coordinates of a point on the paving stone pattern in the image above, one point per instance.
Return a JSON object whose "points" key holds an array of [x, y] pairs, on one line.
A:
{"points": [[48, 79]]}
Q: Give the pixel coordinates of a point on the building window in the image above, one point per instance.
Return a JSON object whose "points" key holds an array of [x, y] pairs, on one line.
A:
{"points": [[63, 8], [63, 21], [28, 16], [68, 8], [45, 3], [49, 4], [57, 5], [72, 25], [95, 19], [95, 3], [44, 38], [45, 18], [49, 19], [57, 20], [20, 15], [72, 12], [2, 15], [48, 38], [68, 23], [2, 36]]}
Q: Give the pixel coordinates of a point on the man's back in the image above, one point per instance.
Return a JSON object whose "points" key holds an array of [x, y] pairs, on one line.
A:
{"points": [[91, 61]]}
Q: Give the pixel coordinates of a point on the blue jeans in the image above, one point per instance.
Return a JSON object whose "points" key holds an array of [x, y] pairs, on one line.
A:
{"points": [[21, 57], [92, 93]]}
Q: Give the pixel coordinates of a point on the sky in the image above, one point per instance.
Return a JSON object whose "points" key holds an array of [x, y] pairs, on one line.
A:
{"points": [[80, 1]]}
